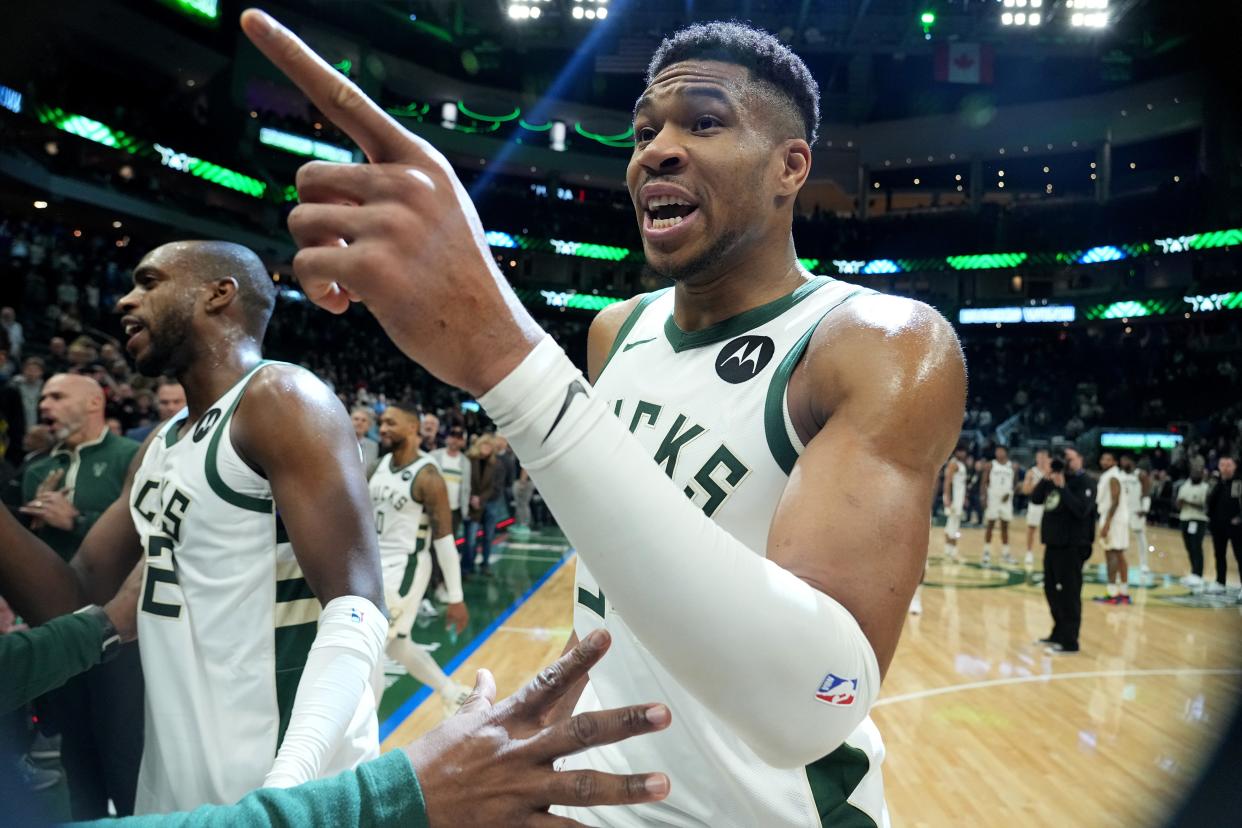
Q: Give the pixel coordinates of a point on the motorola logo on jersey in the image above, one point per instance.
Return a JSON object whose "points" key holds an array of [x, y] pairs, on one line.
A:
{"points": [[204, 425], [744, 357]]}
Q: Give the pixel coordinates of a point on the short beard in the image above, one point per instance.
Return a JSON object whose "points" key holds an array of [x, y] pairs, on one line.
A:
{"points": [[169, 353], [706, 262]]}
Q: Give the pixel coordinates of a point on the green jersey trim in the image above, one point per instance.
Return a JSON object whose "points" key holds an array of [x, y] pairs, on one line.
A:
{"points": [[743, 322], [782, 448], [222, 489], [172, 432], [832, 780], [629, 323]]}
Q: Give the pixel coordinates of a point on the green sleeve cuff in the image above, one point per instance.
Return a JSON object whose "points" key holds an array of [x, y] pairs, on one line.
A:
{"points": [[390, 792], [36, 661]]}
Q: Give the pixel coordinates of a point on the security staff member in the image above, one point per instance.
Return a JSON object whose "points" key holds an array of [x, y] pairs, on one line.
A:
{"points": [[1067, 531]]}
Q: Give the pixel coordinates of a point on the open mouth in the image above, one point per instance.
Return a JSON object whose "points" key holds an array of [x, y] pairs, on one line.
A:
{"points": [[132, 328], [664, 212]]}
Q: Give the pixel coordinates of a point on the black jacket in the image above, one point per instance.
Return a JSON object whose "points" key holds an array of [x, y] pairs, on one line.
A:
{"points": [[1224, 501], [1069, 513]]}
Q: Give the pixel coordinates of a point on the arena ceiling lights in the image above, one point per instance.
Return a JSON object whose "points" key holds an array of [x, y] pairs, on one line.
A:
{"points": [[1087, 14], [1027, 13], [521, 10], [590, 10]]}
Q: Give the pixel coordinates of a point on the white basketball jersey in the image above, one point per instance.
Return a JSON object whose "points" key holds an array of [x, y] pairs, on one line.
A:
{"points": [[399, 519], [957, 488], [1000, 480], [711, 408], [1104, 497], [452, 469], [226, 621], [1132, 488]]}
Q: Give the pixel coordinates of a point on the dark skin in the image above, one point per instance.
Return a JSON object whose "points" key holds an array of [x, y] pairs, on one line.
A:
{"points": [[329, 523], [879, 394], [400, 430]]}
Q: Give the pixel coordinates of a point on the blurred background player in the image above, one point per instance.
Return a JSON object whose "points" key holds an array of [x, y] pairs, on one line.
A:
{"points": [[1114, 529], [1191, 503], [955, 474], [1136, 486], [455, 469], [1034, 511], [998, 486], [412, 513]]}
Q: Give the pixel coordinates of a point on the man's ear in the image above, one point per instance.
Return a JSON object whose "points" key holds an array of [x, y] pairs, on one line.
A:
{"points": [[222, 293], [796, 166]]}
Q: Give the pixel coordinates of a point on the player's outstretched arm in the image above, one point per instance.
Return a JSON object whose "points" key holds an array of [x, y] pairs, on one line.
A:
{"points": [[40, 586], [430, 490], [291, 428]]}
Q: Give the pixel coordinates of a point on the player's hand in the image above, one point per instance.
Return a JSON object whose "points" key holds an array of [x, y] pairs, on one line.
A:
{"points": [[52, 509], [1058, 479], [491, 764], [122, 610], [50, 483], [457, 616], [1104, 530], [1005, 499], [399, 234]]}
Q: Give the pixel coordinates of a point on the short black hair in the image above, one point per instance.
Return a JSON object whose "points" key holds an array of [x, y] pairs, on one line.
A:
{"points": [[769, 61], [409, 406]]}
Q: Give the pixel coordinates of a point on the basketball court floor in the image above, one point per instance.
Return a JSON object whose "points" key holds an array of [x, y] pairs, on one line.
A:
{"points": [[982, 727]]}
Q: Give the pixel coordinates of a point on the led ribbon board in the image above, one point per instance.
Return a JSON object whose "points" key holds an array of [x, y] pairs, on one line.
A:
{"points": [[566, 299], [306, 147], [1139, 440], [10, 99], [1014, 314], [93, 130]]}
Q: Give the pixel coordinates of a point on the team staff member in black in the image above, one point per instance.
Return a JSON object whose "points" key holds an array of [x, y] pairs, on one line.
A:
{"points": [[1067, 531], [1224, 511]]}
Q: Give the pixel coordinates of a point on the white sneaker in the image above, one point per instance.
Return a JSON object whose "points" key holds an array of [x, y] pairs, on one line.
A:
{"points": [[453, 697], [1009, 559], [428, 609], [1029, 560], [987, 558], [1214, 588], [950, 552], [916, 604], [1191, 581]]}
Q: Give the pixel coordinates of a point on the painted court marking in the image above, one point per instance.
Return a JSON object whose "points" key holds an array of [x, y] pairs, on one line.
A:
{"points": [[1000, 682]]}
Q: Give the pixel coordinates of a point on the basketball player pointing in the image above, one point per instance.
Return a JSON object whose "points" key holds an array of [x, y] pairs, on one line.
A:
{"points": [[760, 569]]}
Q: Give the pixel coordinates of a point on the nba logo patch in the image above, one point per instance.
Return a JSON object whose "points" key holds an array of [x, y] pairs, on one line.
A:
{"points": [[355, 616], [837, 691]]}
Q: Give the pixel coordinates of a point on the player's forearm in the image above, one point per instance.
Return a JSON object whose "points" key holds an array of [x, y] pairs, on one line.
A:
{"points": [[384, 791], [42, 659], [33, 578], [665, 565]]}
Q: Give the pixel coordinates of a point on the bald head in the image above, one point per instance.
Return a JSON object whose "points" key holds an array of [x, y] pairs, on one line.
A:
{"points": [[188, 297], [72, 406]]}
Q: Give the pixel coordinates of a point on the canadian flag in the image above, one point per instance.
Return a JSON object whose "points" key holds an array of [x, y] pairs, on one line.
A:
{"points": [[964, 63]]}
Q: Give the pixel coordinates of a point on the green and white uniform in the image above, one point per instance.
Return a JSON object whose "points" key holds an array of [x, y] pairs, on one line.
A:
{"points": [[711, 406], [226, 620], [403, 526]]}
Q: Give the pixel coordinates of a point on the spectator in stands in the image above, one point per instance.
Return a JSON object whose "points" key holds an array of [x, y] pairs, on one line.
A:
{"points": [[486, 496], [429, 430], [455, 468], [169, 399], [1191, 500], [29, 383], [57, 356], [363, 419], [82, 353], [10, 325], [508, 462], [1224, 511]]}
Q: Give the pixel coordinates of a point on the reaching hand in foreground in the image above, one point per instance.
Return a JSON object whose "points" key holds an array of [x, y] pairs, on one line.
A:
{"points": [[491, 764], [399, 234]]}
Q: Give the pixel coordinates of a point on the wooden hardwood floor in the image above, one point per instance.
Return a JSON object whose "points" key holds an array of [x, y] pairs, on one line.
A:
{"points": [[981, 726]]}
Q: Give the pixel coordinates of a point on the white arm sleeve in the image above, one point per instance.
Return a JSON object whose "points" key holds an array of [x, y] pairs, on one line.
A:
{"points": [[450, 566], [793, 675], [351, 636]]}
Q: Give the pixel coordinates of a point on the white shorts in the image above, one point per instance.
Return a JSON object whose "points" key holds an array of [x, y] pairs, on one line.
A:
{"points": [[1118, 534], [1034, 514], [999, 511]]}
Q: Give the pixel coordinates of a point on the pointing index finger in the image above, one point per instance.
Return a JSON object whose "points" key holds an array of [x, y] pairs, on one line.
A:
{"points": [[338, 98]]}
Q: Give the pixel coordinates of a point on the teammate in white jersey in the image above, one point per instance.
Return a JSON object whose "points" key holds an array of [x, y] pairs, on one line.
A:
{"points": [[1034, 511], [758, 572], [249, 511], [1136, 485], [412, 514], [955, 473], [1114, 524], [999, 476]]}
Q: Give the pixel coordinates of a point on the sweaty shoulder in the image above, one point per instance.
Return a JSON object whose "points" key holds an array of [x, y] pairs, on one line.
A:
{"points": [[894, 367], [281, 402], [603, 333]]}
